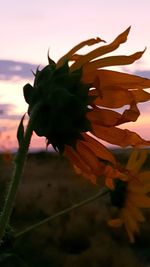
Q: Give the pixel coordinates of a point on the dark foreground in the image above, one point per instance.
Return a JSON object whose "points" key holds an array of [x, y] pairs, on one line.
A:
{"points": [[80, 238]]}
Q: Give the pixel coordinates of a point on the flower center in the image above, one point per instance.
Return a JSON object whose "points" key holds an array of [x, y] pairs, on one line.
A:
{"points": [[118, 195], [65, 100]]}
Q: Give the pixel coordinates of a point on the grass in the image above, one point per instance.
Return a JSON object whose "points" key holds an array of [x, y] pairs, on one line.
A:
{"points": [[80, 238]]}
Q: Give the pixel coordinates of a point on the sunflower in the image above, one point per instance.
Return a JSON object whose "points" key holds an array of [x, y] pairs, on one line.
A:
{"points": [[79, 101], [128, 195]]}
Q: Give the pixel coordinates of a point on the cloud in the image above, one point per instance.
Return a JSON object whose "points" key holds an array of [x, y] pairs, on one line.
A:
{"points": [[10, 69], [7, 112], [143, 73]]}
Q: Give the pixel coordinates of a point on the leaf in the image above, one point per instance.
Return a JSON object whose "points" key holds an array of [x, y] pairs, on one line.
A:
{"points": [[20, 131]]}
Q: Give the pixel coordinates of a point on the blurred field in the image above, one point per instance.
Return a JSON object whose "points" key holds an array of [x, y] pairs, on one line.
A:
{"points": [[78, 239]]}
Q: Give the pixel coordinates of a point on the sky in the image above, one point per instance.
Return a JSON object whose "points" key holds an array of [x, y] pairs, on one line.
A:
{"points": [[30, 28]]}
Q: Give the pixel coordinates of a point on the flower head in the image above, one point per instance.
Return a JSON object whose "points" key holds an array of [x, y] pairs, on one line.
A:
{"points": [[79, 98], [129, 195]]}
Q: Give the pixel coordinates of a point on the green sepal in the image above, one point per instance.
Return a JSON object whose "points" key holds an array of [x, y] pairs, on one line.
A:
{"points": [[20, 131]]}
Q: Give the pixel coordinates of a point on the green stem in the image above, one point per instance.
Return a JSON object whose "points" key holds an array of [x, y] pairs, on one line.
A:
{"points": [[17, 173], [62, 212]]}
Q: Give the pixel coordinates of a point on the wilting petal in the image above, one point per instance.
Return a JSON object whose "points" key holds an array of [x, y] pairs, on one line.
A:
{"points": [[89, 158], [130, 114], [88, 42], [110, 78], [90, 176], [112, 97], [112, 61], [116, 136], [102, 50], [141, 95], [100, 150], [106, 117], [75, 159], [103, 117]]}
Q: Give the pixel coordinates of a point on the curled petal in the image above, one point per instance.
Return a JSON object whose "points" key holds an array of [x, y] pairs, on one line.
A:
{"points": [[116, 136], [113, 61], [106, 117], [112, 97], [101, 50], [88, 42], [99, 149], [90, 176], [89, 158], [109, 78], [75, 159]]}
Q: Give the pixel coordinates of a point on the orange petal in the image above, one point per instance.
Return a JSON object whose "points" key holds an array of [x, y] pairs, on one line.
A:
{"points": [[100, 150], [91, 177], [106, 117], [103, 117], [67, 57], [89, 158], [110, 78], [116, 136], [102, 50], [141, 95], [75, 159], [113, 61], [112, 97]]}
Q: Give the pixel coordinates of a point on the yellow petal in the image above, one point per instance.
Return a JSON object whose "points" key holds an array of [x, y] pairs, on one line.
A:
{"points": [[115, 222], [101, 50], [144, 177], [141, 201], [130, 224], [136, 213], [136, 160], [132, 159]]}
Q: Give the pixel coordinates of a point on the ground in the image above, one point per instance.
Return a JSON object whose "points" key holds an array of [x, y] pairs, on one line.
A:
{"points": [[80, 238]]}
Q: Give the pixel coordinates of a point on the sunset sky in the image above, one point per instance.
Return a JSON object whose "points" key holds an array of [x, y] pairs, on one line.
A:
{"points": [[29, 28]]}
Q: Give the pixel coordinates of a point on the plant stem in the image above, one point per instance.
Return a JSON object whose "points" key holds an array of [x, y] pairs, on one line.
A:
{"points": [[62, 212], [17, 173]]}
